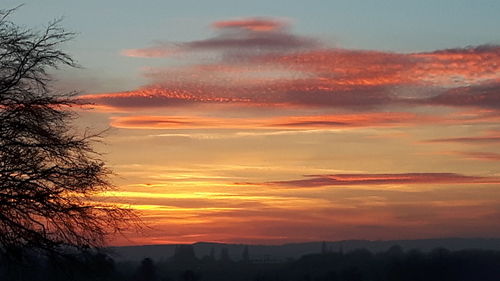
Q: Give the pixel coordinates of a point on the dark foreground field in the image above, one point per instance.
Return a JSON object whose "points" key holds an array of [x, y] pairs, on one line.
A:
{"points": [[393, 264]]}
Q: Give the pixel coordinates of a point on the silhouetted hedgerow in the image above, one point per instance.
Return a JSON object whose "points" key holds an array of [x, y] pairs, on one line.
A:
{"points": [[358, 265]]}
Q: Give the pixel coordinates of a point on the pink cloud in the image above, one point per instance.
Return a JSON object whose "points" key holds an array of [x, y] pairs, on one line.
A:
{"points": [[327, 78], [152, 52]]}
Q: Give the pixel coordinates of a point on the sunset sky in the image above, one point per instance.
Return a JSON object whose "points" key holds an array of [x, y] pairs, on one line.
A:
{"points": [[287, 121]]}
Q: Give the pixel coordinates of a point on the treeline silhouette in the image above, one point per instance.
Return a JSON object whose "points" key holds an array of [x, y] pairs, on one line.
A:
{"points": [[359, 265]]}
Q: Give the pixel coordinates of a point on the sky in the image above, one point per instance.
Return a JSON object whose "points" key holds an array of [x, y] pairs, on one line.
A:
{"points": [[269, 122]]}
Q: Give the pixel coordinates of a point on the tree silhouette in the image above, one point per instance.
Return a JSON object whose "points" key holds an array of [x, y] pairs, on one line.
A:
{"points": [[224, 256], [146, 271], [48, 172], [324, 249], [245, 256], [184, 254]]}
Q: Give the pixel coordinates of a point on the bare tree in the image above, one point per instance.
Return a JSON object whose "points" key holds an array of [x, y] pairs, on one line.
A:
{"points": [[48, 171]]}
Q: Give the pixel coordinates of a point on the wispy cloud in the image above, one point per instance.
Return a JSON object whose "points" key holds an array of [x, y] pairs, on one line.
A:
{"points": [[489, 137], [258, 24], [345, 121], [151, 52], [383, 179], [477, 155], [238, 37]]}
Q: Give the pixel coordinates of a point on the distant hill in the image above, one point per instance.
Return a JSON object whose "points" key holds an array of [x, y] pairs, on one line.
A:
{"points": [[272, 253]]}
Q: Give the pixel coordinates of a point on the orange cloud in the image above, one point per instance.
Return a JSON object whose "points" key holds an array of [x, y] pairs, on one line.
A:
{"points": [[460, 66], [382, 179], [477, 155], [252, 24], [287, 122], [305, 93], [491, 137], [157, 97]]}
